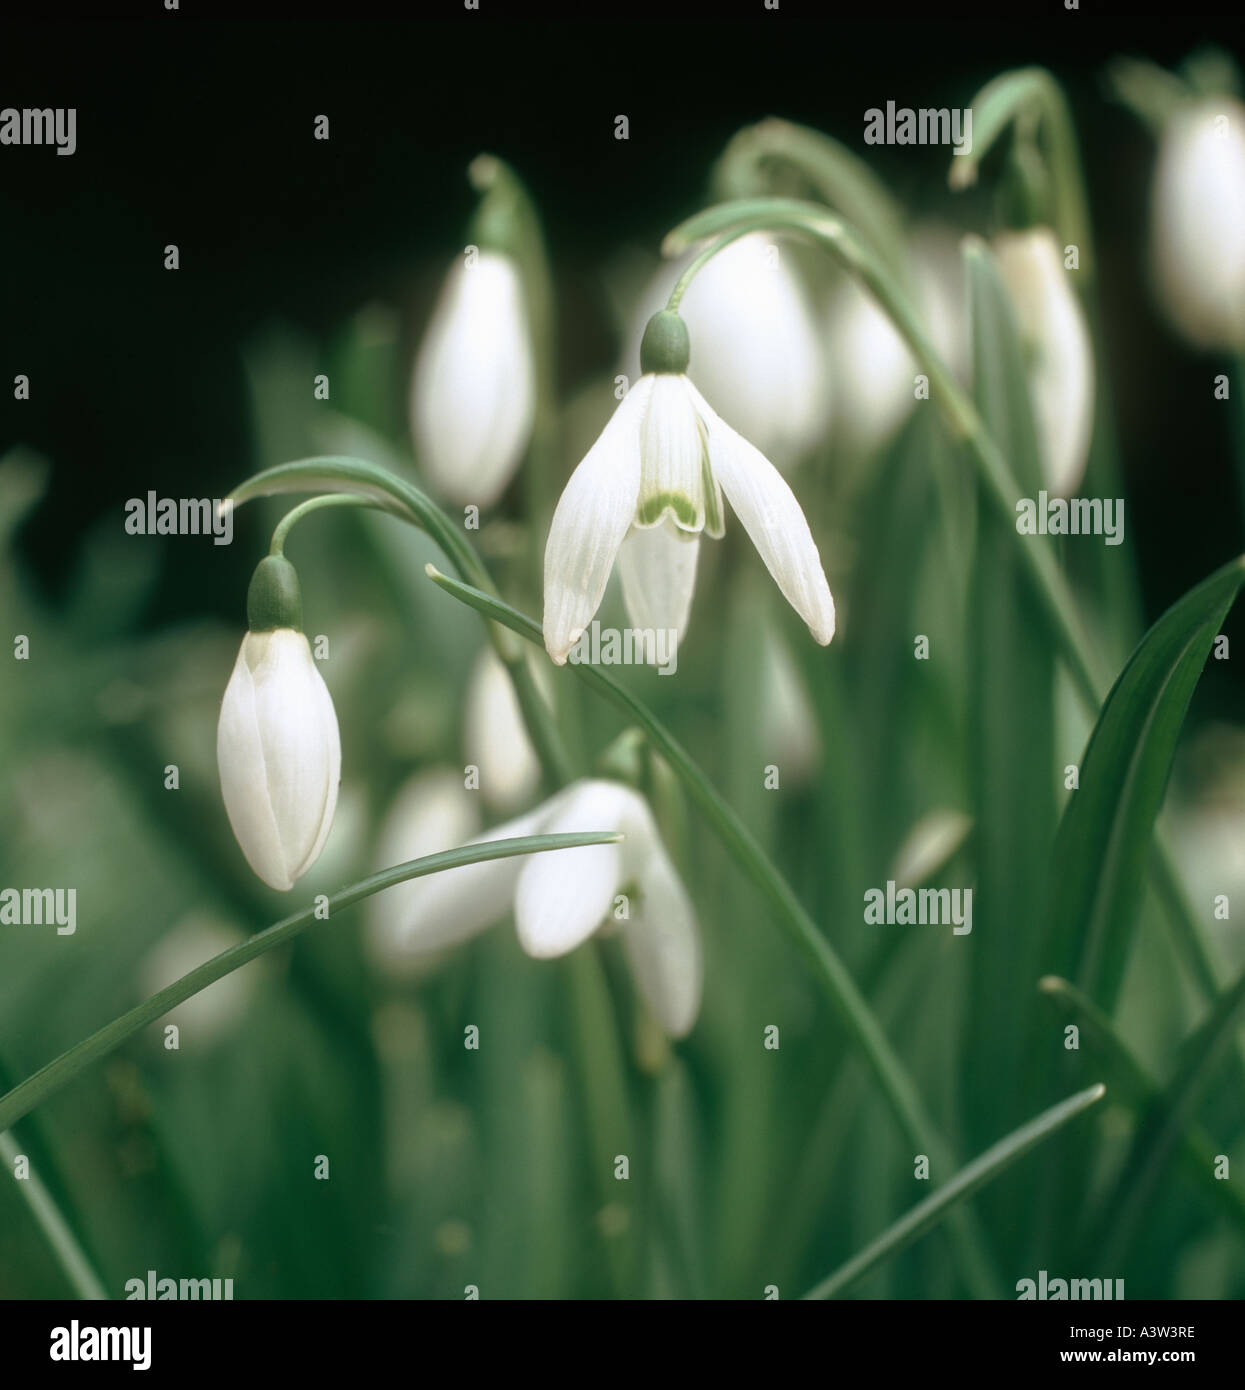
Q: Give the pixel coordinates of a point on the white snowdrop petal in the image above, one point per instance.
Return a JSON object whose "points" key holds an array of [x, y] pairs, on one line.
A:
{"points": [[673, 455], [592, 517], [473, 396], [775, 523], [657, 566], [662, 939], [243, 779], [565, 894], [279, 754], [441, 909]]}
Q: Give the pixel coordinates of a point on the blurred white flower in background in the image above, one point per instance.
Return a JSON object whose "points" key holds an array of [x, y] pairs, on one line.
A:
{"points": [[561, 898], [1055, 336], [789, 735], [648, 487], [874, 373], [758, 356], [431, 811], [279, 754], [473, 394], [1199, 223], [495, 738], [210, 1015]]}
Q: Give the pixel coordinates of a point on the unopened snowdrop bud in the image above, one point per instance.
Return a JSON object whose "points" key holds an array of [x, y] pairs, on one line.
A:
{"points": [[1199, 223], [759, 356], [1052, 328], [277, 743], [473, 397]]}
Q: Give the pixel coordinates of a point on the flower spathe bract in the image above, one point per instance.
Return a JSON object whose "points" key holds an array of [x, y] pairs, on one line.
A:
{"points": [[561, 897], [473, 396], [279, 754], [1061, 371], [1199, 223], [662, 466]]}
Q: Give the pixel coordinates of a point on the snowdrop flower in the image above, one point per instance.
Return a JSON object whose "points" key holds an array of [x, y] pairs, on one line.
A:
{"points": [[495, 738], [1061, 373], [1199, 223], [561, 898], [473, 397], [277, 744], [759, 353], [645, 491]]}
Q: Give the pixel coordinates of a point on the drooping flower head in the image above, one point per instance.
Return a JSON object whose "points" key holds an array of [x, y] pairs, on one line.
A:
{"points": [[559, 898], [649, 487], [277, 743]]}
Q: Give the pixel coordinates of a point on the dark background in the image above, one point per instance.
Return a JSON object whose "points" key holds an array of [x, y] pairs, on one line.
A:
{"points": [[199, 132]]}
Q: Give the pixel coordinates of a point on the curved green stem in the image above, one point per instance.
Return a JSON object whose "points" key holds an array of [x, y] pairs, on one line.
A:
{"points": [[702, 260], [1032, 98], [837, 984], [22, 1099], [314, 504]]}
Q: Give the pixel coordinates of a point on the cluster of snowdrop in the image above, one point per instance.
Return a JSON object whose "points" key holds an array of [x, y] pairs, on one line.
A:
{"points": [[662, 474]]}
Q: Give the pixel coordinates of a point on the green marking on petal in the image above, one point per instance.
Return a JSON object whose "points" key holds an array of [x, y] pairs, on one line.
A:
{"points": [[686, 514]]}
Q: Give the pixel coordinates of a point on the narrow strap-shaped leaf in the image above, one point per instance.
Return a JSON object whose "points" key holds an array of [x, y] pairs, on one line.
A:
{"points": [[22, 1099], [1105, 834], [980, 1171]]}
